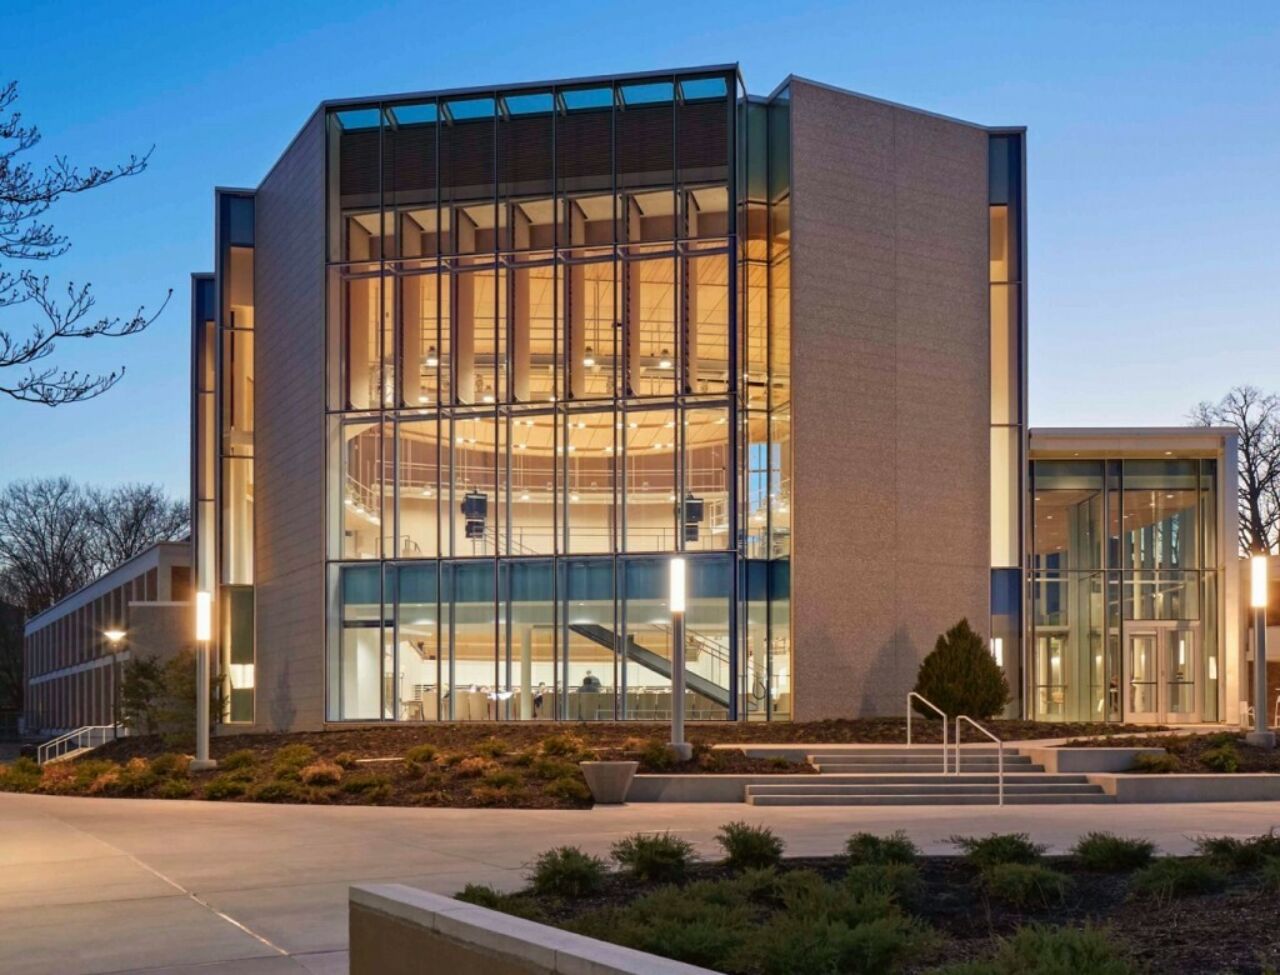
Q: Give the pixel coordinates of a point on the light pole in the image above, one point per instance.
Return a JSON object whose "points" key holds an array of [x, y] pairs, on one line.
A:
{"points": [[204, 633], [682, 749], [115, 637], [1261, 736]]}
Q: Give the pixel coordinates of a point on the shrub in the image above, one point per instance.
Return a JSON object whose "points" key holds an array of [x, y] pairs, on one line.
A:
{"points": [[1236, 854], [524, 758], [1025, 885], [554, 768], [474, 767], [901, 881], [136, 778], [140, 687], [749, 847], [1222, 758], [170, 764], [654, 857], [57, 778], [987, 851], [321, 773], [1271, 874], [1167, 878], [780, 762], [242, 758], [21, 776], [560, 745], [869, 848], [1040, 950], [567, 872], [502, 778], [364, 783], [175, 789], [1108, 853], [279, 790], [346, 760], [961, 676], [482, 895], [292, 758], [225, 787], [492, 748], [1156, 763], [105, 783], [567, 788], [421, 754], [697, 930], [657, 756]]}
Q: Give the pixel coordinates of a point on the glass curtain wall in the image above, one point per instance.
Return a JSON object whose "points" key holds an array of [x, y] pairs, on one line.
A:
{"points": [[235, 487], [1006, 223], [1124, 552], [533, 349]]}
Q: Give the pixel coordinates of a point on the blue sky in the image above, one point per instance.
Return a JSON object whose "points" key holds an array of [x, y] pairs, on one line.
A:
{"points": [[1154, 158]]}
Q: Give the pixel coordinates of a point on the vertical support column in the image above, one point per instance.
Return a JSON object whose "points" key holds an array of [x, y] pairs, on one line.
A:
{"points": [[631, 303], [413, 391], [526, 673], [689, 311], [361, 387], [576, 310], [520, 312], [464, 317]]}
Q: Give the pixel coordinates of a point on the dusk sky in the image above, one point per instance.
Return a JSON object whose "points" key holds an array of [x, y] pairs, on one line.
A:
{"points": [[1154, 164]]}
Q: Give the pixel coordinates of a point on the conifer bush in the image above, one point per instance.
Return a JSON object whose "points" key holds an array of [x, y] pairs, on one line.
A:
{"points": [[961, 677]]}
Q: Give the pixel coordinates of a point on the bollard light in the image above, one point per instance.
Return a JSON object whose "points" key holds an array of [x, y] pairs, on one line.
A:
{"points": [[204, 616], [1258, 582]]}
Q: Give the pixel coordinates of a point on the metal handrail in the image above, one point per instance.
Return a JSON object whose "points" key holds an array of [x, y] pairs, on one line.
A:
{"points": [[57, 747], [999, 752], [937, 710]]}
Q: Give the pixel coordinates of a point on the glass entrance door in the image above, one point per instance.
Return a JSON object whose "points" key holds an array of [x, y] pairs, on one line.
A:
{"points": [[1161, 664]]}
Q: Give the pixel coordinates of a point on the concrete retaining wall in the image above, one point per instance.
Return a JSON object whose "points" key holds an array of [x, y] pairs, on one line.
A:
{"points": [[399, 930], [1087, 759], [1233, 787]]}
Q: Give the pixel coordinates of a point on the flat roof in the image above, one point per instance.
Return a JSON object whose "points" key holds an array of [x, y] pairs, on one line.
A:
{"points": [[1132, 441], [144, 561]]}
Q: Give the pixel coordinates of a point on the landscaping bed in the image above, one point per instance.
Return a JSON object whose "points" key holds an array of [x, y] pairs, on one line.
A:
{"points": [[1223, 752], [1113, 907]]}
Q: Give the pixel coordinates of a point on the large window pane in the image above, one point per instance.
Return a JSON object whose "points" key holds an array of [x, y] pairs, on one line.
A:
{"points": [[477, 505], [356, 655], [590, 456], [706, 506], [533, 484], [706, 324], [469, 689], [419, 464], [650, 480], [590, 639], [527, 669], [424, 371], [1161, 508], [416, 660], [649, 326], [708, 641]]}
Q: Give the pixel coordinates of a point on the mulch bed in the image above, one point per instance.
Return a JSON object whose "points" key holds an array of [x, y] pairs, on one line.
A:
{"points": [[386, 742], [1190, 750], [1232, 931]]}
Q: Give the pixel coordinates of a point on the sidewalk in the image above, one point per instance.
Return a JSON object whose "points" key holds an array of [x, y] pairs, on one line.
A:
{"points": [[199, 888]]}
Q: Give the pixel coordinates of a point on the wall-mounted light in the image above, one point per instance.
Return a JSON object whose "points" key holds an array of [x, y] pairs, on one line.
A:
{"points": [[114, 637]]}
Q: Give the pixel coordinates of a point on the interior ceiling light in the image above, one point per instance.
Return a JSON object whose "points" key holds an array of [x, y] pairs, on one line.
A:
{"points": [[589, 357], [664, 359], [432, 360]]}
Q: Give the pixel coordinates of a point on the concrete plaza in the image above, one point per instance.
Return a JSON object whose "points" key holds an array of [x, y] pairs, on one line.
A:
{"points": [[121, 885]]}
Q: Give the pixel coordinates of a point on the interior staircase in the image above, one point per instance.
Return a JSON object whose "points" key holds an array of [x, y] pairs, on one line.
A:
{"points": [[915, 777]]}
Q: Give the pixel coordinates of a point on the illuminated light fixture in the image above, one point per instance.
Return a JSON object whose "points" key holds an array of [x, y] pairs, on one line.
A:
{"points": [[348, 502], [589, 357], [1258, 582], [582, 424], [204, 617], [664, 359], [487, 396], [521, 446], [524, 496], [422, 399], [572, 448], [114, 636], [574, 496], [677, 586], [432, 360], [997, 650]]}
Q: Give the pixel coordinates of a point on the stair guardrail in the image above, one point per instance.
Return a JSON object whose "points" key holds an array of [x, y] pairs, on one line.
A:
{"points": [[90, 736], [999, 754], [937, 710]]}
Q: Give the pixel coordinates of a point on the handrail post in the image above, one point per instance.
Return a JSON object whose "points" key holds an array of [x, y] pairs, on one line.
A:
{"points": [[999, 754], [937, 710]]}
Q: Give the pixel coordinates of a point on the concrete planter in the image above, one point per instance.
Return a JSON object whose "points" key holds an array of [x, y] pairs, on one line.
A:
{"points": [[609, 781]]}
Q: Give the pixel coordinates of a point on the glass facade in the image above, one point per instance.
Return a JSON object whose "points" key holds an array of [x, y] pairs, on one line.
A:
{"points": [[540, 388], [1125, 581]]}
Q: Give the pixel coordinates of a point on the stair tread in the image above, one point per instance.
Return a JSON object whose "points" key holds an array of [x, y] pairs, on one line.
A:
{"points": [[930, 800]]}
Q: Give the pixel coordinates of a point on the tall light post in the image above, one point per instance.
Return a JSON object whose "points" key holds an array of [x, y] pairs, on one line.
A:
{"points": [[1261, 736], [676, 599], [204, 633], [115, 637]]}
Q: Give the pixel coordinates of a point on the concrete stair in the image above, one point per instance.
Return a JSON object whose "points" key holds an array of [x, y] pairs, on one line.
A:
{"points": [[913, 777]]}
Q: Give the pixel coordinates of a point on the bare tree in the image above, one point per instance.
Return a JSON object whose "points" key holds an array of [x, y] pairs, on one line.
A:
{"points": [[56, 536], [1256, 418], [11, 683], [27, 193], [46, 550], [131, 518]]}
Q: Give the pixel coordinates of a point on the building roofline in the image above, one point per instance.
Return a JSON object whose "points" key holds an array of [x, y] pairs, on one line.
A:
{"points": [[62, 606], [1114, 433], [990, 129]]}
